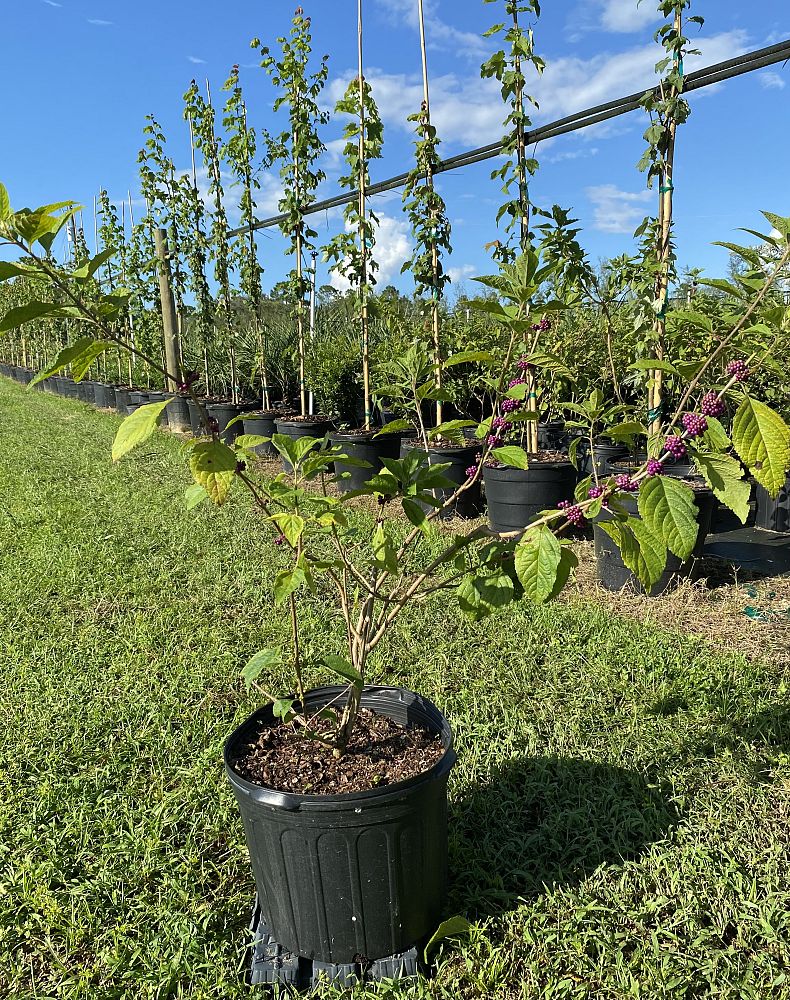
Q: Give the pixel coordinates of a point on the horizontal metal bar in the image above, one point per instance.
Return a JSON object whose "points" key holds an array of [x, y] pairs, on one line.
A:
{"points": [[718, 72]]}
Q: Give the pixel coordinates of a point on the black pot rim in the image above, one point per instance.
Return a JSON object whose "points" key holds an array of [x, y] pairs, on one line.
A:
{"points": [[509, 469], [292, 801]]}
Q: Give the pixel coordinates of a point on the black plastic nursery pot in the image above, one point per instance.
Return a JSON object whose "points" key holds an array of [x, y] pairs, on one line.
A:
{"points": [[122, 400], [460, 458], [177, 413], [774, 514], [367, 448], [263, 423], [223, 412], [552, 436], [103, 395], [85, 391], [516, 496], [614, 575], [357, 877]]}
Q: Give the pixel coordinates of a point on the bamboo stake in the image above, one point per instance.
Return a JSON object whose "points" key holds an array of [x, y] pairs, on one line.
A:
{"points": [[426, 100], [665, 207], [363, 247], [225, 290], [123, 279], [198, 235], [314, 255]]}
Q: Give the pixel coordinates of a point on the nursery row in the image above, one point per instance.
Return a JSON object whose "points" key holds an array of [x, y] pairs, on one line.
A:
{"points": [[512, 497]]}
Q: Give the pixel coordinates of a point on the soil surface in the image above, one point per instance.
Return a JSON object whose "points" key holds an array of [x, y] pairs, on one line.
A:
{"points": [[315, 418], [443, 445], [380, 752]]}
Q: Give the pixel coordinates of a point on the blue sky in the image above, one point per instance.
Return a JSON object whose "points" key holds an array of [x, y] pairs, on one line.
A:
{"points": [[80, 76]]}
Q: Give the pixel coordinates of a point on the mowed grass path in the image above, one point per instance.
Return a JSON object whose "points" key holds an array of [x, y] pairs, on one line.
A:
{"points": [[620, 811]]}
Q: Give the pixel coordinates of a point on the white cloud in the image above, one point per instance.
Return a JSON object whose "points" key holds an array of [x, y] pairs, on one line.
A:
{"points": [[51, 3], [438, 34], [771, 81], [628, 15], [393, 247], [458, 274], [99, 22], [470, 111], [616, 211], [196, 60]]}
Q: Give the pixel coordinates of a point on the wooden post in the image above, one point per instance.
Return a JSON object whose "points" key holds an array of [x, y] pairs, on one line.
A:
{"points": [[169, 315]]}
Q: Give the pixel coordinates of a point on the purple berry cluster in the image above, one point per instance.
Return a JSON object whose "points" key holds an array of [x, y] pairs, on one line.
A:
{"points": [[498, 424], [711, 405], [471, 471], [626, 484], [695, 424], [279, 540], [654, 467], [545, 324], [524, 365], [516, 381], [676, 446], [574, 513], [495, 441], [510, 405], [738, 370], [594, 492]]}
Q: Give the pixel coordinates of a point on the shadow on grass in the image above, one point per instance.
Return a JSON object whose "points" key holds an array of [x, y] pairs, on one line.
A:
{"points": [[543, 822]]}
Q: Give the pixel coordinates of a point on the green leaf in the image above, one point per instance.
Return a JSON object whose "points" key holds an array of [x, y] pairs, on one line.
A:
{"points": [[213, 465], [415, 514], [715, 436], [282, 708], [724, 475], [653, 364], [538, 556], [641, 551], [469, 357], [480, 596], [393, 427], [26, 314], [668, 509], [13, 269], [80, 356], [340, 666], [452, 430], [780, 223], [136, 428], [762, 440], [626, 431], [265, 659], [568, 562], [291, 525], [512, 456], [384, 555], [194, 495], [5, 204], [453, 927], [287, 582], [250, 440]]}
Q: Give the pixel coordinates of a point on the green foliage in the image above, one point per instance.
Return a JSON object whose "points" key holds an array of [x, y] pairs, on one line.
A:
{"points": [[762, 440], [351, 252], [668, 509], [507, 67], [138, 427], [297, 148]]}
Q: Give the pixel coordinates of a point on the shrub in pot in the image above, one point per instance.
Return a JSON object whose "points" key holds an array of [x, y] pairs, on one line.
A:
{"points": [[370, 578]]}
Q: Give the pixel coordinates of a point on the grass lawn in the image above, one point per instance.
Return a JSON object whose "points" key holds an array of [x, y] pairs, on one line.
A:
{"points": [[620, 812]]}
